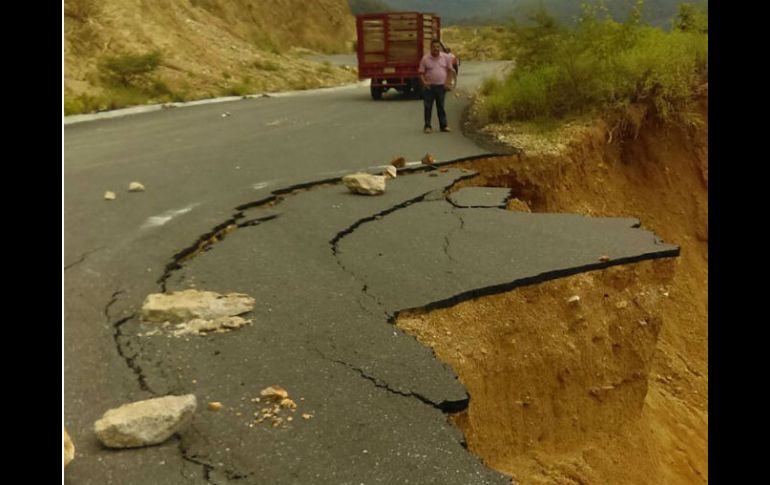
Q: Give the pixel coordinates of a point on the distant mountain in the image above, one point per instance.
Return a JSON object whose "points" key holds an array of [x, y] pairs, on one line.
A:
{"points": [[368, 6], [657, 12]]}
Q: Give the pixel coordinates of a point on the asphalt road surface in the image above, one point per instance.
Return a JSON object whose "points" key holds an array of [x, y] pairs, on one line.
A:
{"points": [[329, 271]]}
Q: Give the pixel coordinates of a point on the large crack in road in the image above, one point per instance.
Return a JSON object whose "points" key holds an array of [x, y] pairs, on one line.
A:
{"points": [[309, 303]]}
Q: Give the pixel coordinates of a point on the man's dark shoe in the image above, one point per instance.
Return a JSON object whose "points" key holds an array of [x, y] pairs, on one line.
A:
{"points": [[427, 129], [446, 129]]}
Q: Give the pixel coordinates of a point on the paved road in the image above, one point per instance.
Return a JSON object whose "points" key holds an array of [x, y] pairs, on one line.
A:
{"points": [[197, 166], [328, 273]]}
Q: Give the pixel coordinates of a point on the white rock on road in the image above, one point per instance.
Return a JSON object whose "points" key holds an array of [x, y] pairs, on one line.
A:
{"points": [[181, 306], [145, 423], [364, 183]]}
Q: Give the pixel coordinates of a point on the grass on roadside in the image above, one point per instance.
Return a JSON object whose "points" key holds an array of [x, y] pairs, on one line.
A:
{"points": [[601, 63]]}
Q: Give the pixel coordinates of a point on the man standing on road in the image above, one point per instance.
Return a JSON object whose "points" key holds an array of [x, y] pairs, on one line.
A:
{"points": [[435, 73]]}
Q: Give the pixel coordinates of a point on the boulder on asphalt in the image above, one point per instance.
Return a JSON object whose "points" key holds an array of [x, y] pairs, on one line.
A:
{"points": [[181, 306], [364, 183], [109, 195], [135, 187], [69, 449], [428, 159], [398, 162], [145, 423]]}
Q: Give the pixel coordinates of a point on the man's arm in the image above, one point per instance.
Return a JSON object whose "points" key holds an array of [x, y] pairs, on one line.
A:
{"points": [[450, 72], [421, 70]]}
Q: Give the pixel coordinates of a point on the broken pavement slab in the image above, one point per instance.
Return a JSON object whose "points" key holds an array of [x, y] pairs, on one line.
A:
{"points": [[456, 254]]}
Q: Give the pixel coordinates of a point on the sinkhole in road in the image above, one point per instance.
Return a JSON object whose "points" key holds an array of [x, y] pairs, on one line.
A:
{"points": [[599, 377]]}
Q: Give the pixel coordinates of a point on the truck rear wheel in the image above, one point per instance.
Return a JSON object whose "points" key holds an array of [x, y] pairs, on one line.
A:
{"points": [[415, 87], [376, 92]]}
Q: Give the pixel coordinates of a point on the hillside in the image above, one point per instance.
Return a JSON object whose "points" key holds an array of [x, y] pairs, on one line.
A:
{"points": [[205, 48]]}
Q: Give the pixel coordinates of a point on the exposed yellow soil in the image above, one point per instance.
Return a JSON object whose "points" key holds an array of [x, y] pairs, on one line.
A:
{"points": [[209, 45], [613, 388]]}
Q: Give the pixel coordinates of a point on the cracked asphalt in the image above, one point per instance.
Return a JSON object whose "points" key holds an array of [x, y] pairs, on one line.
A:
{"points": [[329, 271], [346, 265]]}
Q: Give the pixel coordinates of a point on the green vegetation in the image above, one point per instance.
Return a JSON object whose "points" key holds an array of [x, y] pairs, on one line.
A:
{"points": [[129, 69], [692, 18], [240, 88], [127, 80], [601, 63], [81, 104]]}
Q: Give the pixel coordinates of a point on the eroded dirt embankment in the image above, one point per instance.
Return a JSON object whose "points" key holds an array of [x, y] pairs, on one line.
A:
{"points": [[612, 388]]}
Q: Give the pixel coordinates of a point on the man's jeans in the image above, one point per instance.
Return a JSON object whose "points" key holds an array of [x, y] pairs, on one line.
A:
{"points": [[434, 92]]}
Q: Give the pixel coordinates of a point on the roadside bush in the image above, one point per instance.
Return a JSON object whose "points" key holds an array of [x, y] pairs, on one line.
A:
{"points": [[490, 85], [599, 63], [239, 88], [128, 80], [119, 97], [82, 104], [129, 69], [692, 18]]}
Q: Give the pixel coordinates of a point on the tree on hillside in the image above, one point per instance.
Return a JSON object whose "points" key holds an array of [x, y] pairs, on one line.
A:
{"points": [[692, 18], [540, 41]]}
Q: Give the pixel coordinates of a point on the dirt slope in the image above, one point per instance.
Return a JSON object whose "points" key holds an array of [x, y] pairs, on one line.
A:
{"points": [[613, 388], [207, 45]]}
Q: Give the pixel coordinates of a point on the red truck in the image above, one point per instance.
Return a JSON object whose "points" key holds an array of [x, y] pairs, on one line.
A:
{"points": [[390, 47]]}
